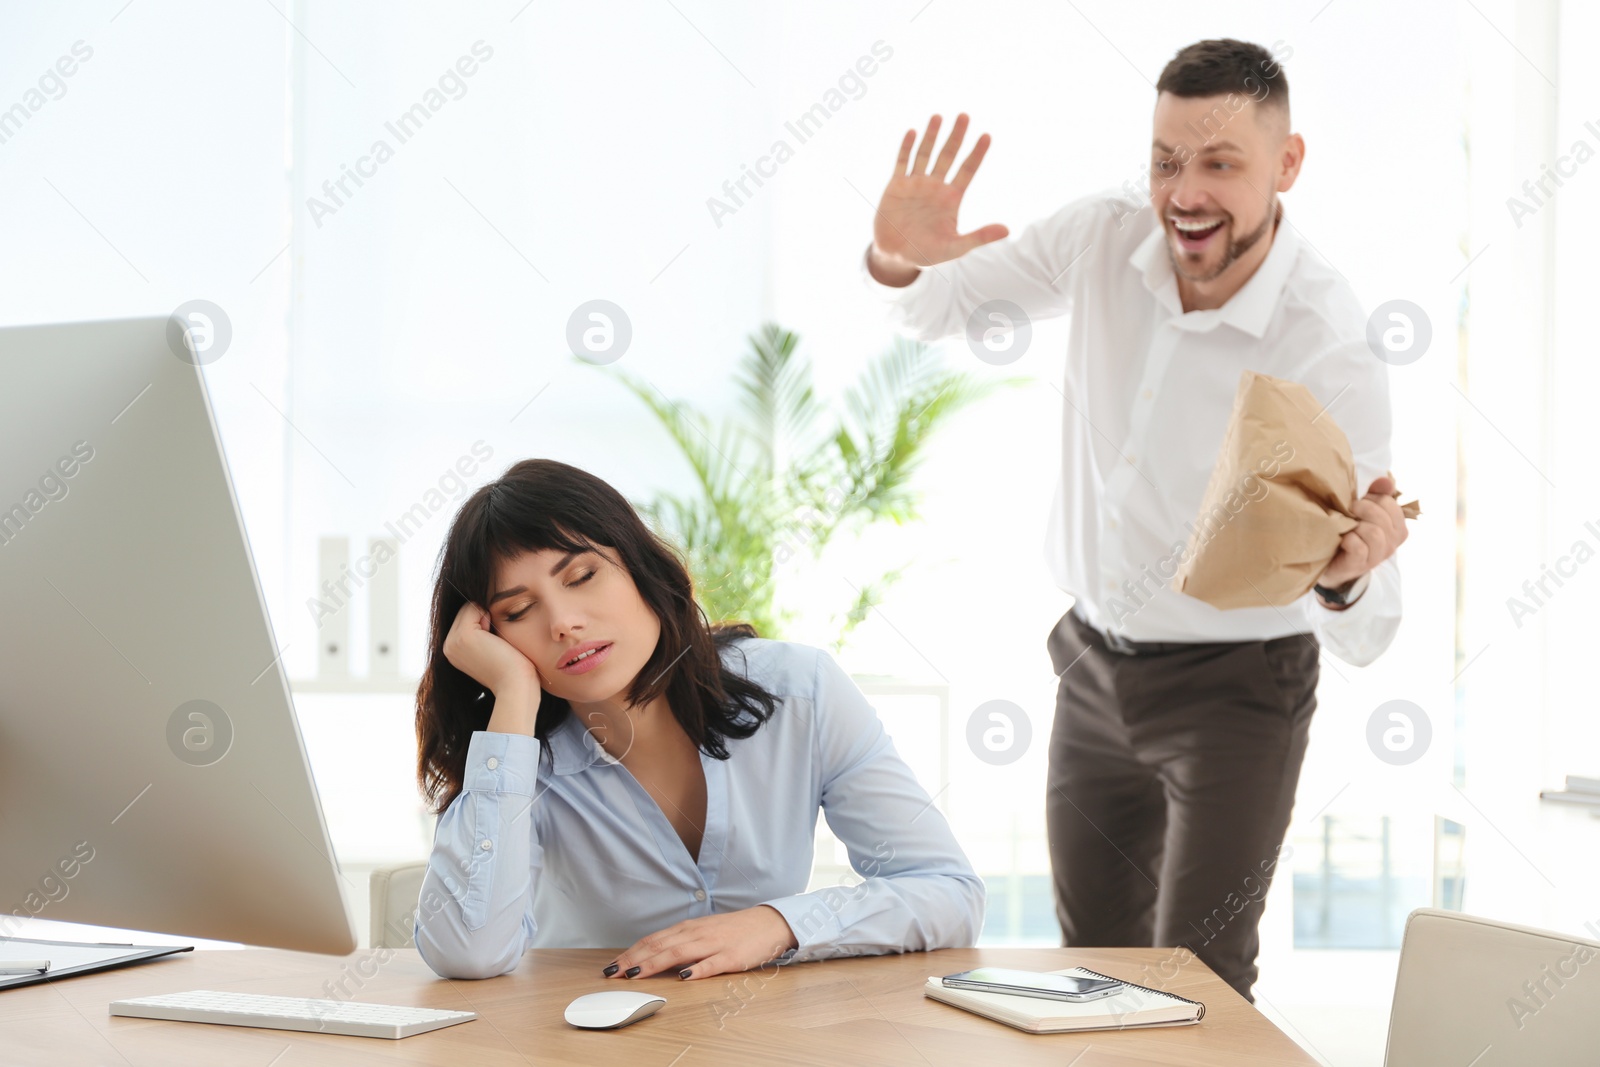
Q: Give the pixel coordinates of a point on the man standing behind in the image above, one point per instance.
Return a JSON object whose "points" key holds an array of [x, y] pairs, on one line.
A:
{"points": [[1179, 728]]}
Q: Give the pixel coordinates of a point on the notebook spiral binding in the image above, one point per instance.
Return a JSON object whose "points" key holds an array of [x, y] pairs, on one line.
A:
{"points": [[1147, 989]]}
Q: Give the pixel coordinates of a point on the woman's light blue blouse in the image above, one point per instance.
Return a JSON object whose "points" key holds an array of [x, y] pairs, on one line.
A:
{"points": [[572, 852]]}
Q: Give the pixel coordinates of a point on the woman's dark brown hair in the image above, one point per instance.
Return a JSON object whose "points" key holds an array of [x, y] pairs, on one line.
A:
{"points": [[541, 504]]}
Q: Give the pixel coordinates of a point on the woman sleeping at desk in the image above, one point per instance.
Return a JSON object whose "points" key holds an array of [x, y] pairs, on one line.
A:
{"points": [[610, 769]]}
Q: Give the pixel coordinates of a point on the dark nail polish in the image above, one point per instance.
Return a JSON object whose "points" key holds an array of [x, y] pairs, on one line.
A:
{"points": [[684, 973], [633, 972], [609, 971]]}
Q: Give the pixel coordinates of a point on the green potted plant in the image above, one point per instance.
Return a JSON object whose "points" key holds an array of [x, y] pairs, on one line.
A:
{"points": [[791, 473]]}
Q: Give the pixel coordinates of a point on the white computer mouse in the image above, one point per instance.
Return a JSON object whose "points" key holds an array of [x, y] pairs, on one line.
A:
{"points": [[614, 1008]]}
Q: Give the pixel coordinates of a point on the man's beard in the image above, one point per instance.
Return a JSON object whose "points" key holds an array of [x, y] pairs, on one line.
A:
{"points": [[1235, 249]]}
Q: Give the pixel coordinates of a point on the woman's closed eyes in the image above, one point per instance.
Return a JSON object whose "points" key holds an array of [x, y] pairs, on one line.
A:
{"points": [[524, 611]]}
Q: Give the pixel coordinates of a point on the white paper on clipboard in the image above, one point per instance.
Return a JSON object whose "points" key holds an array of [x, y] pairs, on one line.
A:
{"points": [[74, 957]]}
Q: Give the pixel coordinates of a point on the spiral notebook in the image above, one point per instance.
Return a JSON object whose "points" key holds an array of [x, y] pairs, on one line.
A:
{"points": [[1136, 1006]]}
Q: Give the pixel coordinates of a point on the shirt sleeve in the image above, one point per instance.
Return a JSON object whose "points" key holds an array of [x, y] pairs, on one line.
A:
{"points": [[475, 912], [919, 892], [1355, 387], [1361, 632], [1033, 270]]}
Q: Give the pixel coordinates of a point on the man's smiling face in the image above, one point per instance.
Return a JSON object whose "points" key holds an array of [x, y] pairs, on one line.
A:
{"points": [[1217, 164]]}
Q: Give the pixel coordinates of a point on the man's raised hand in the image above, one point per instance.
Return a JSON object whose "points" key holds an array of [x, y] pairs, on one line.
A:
{"points": [[915, 225]]}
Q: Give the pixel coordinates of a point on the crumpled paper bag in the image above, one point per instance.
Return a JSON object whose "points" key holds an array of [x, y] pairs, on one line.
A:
{"points": [[1281, 496]]}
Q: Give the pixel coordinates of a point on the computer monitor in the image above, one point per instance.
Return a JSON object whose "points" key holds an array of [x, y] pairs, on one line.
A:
{"points": [[152, 772]]}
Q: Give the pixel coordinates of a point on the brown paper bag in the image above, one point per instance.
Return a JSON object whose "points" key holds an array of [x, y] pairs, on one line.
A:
{"points": [[1281, 495]]}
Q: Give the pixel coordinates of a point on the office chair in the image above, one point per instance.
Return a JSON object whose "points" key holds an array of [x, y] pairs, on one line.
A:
{"points": [[395, 892], [1474, 991]]}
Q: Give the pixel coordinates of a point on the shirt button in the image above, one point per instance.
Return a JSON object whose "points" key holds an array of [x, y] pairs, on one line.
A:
{"points": [[486, 844], [1111, 523], [1148, 393], [1111, 583], [699, 894], [1133, 459], [492, 763]]}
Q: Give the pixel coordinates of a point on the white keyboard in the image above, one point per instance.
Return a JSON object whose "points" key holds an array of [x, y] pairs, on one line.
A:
{"points": [[291, 1013]]}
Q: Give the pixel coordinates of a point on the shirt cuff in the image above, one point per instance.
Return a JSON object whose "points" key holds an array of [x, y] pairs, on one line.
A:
{"points": [[814, 922], [502, 763], [1363, 631]]}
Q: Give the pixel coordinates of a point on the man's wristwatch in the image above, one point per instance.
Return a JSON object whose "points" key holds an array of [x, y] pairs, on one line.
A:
{"points": [[1346, 594]]}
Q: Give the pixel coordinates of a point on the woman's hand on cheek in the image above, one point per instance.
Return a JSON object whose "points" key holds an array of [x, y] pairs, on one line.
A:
{"points": [[702, 948], [474, 649]]}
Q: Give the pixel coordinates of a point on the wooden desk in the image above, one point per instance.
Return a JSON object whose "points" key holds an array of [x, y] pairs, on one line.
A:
{"points": [[838, 1012]]}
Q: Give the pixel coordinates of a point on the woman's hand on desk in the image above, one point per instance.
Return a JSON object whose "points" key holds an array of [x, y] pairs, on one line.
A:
{"points": [[713, 945], [489, 659]]}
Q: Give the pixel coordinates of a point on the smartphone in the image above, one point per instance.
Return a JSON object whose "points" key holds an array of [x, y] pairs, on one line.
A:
{"points": [[1033, 984]]}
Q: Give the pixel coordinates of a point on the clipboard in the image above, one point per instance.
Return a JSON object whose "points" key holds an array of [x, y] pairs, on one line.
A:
{"points": [[69, 958]]}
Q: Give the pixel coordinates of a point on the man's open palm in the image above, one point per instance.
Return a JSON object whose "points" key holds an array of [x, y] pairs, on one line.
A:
{"points": [[916, 221]]}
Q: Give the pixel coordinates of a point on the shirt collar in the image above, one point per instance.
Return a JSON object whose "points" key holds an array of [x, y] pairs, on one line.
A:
{"points": [[1250, 309], [573, 748]]}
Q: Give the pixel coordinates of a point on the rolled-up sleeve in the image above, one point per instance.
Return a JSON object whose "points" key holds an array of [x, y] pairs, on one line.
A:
{"points": [[919, 891], [475, 912]]}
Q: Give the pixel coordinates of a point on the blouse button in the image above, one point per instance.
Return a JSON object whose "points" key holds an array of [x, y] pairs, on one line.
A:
{"points": [[699, 894], [486, 845], [492, 763]]}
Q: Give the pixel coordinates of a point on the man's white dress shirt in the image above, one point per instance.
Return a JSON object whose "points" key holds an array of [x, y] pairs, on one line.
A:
{"points": [[1148, 392]]}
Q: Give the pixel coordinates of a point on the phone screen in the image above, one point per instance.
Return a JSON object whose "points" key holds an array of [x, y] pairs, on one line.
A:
{"points": [[1035, 983]]}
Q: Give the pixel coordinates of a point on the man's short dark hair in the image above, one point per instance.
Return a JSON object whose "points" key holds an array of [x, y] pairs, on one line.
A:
{"points": [[1223, 66]]}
